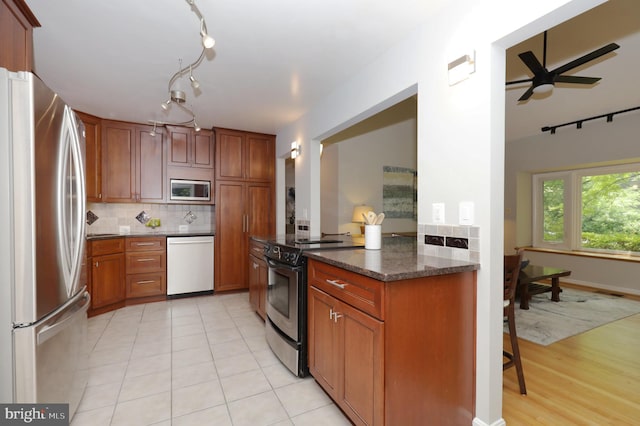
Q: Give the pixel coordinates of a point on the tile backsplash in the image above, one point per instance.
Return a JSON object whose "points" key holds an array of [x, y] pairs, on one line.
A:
{"points": [[111, 216]]}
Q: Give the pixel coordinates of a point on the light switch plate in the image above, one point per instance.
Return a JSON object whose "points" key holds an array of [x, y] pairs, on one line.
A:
{"points": [[466, 213], [437, 212]]}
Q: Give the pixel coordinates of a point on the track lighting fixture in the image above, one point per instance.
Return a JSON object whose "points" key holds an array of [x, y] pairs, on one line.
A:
{"points": [[194, 83], [176, 95], [153, 132]]}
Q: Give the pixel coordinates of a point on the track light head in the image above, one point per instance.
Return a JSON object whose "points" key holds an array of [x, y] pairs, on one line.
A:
{"points": [[165, 105], [207, 41]]}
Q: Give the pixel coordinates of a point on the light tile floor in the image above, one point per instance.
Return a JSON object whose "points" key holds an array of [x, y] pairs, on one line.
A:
{"points": [[194, 361]]}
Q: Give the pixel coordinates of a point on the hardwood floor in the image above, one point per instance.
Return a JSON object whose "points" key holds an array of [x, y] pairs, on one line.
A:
{"points": [[589, 379]]}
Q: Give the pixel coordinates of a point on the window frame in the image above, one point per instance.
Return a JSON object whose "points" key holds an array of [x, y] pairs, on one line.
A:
{"points": [[572, 206]]}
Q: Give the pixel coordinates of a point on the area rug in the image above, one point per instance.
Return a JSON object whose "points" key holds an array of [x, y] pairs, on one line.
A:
{"points": [[546, 322]]}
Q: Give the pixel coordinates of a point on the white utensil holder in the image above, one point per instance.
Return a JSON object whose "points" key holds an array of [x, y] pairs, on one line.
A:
{"points": [[372, 237]]}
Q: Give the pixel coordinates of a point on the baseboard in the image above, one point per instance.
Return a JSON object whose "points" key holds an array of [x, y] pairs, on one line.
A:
{"points": [[597, 286], [478, 422]]}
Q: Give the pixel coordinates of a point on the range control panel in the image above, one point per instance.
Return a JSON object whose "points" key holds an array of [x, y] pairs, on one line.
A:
{"points": [[284, 254]]}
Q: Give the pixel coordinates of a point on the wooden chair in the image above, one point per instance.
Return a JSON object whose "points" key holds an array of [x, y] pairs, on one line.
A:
{"points": [[511, 271]]}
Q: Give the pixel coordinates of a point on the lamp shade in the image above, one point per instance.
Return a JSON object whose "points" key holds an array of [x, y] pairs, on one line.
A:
{"points": [[358, 211]]}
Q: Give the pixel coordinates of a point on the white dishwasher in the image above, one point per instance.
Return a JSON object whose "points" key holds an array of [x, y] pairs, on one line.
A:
{"points": [[189, 264]]}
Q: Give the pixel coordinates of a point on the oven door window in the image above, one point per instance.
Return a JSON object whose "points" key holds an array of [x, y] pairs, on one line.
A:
{"points": [[279, 290], [282, 298]]}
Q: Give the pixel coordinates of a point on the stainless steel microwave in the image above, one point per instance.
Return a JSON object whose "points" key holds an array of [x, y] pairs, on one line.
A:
{"points": [[190, 190]]}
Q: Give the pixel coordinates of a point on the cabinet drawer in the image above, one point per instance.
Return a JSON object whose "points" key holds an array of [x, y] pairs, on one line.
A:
{"points": [[148, 261], [257, 249], [109, 246], [143, 285], [145, 243], [357, 290]]}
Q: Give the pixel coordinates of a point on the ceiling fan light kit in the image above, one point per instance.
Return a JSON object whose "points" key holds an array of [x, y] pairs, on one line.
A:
{"points": [[177, 96], [544, 80]]}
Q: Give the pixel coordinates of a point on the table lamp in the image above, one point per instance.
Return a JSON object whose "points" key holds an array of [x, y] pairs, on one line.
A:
{"points": [[357, 215]]}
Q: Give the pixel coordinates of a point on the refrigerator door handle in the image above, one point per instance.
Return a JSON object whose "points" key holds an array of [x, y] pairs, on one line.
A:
{"points": [[72, 202], [49, 331]]}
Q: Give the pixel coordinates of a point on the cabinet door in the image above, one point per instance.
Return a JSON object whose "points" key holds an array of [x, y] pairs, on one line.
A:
{"points": [[263, 281], [118, 162], [107, 280], [362, 390], [260, 157], [16, 36], [178, 140], [203, 151], [254, 282], [93, 156], [324, 342], [229, 154], [150, 167], [259, 210], [231, 251]]}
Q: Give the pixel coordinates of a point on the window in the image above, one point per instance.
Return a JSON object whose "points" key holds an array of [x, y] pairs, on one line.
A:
{"points": [[595, 209]]}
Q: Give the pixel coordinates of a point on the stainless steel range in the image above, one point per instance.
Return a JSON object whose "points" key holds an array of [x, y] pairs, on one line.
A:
{"points": [[286, 325]]}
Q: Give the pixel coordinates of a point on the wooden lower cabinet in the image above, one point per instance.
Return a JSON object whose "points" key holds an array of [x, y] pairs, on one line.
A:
{"points": [[394, 353], [126, 271], [107, 275], [347, 356], [146, 268], [243, 209], [258, 278]]}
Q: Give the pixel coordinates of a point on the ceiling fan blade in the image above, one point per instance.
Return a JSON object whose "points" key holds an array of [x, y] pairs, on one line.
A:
{"points": [[526, 94], [527, 80], [586, 58], [576, 79], [532, 62]]}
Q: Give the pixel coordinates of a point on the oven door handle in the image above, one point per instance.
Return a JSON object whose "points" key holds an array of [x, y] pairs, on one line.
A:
{"points": [[279, 265]]}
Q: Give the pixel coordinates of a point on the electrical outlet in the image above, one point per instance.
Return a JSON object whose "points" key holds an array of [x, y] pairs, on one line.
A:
{"points": [[437, 212], [183, 228], [124, 229]]}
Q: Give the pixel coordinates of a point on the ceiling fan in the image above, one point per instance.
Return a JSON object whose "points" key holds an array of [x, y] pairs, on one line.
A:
{"points": [[543, 80]]}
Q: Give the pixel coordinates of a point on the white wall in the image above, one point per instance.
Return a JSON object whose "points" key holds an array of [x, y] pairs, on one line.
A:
{"points": [[352, 167], [460, 139], [597, 143]]}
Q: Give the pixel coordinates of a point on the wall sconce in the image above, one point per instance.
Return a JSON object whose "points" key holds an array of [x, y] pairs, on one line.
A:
{"points": [[295, 150], [357, 217], [462, 68]]}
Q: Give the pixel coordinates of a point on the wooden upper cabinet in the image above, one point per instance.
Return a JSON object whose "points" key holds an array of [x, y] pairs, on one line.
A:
{"points": [[150, 166], [133, 163], [260, 157], [118, 162], [93, 156], [244, 155], [188, 148], [16, 35]]}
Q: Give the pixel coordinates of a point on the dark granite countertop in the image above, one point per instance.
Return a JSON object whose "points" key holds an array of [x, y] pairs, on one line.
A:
{"points": [[397, 260], [149, 234]]}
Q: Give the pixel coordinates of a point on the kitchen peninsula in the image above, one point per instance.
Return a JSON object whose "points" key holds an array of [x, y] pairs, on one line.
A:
{"points": [[392, 333]]}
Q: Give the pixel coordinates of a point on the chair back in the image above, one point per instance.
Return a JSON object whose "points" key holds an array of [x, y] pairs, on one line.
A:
{"points": [[512, 264]]}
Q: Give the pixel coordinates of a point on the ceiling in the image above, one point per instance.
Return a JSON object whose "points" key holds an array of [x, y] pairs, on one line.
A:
{"points": [[274, 60], [617, 21], [271, 62]]}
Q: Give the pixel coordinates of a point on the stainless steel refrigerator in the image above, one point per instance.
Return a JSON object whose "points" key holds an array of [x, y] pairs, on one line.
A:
{"points": [[43, 295]]}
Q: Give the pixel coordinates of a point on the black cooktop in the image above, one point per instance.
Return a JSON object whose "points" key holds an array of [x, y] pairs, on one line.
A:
{"points": [[318, 243], [288, 249]]}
